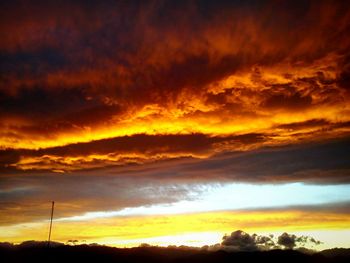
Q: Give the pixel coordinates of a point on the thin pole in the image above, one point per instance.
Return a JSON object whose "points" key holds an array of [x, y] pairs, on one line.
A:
{"points": [[53, 205]]}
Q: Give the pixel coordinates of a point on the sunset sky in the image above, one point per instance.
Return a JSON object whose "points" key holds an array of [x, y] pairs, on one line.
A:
{"points": [[174, 122]]}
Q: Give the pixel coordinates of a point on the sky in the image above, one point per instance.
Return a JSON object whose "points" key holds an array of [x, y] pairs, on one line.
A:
{"points": [[174, 122]]}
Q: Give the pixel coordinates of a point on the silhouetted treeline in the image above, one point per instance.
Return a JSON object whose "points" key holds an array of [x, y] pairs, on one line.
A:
{"points": [[89, 253]]}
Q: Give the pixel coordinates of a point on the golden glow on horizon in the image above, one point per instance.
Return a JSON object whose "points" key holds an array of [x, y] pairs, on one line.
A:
{"points": [[183, 229]]}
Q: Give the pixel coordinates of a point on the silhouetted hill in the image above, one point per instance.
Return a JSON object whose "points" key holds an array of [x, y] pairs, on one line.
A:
{"points": [[88, 253], [337, 252]]}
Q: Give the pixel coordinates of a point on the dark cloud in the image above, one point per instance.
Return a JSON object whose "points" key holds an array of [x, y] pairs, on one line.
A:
{"points": [[290, 241], [55, 110], [314, 123], [286, 240], [165, 181], [76, 194], [314, 163], [8, 157], [79, 66], [343, 79], [34, 63], [194, 156], [334, 208], [284, 101], [101, 36], [142, 143], [242, 241], [142, 146]]}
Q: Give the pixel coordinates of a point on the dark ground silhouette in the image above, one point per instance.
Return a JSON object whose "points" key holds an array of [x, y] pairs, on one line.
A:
{"points": [[90, 253]]}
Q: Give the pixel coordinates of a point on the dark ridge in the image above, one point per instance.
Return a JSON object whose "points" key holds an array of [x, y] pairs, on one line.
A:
{"points": [[95, 253]]}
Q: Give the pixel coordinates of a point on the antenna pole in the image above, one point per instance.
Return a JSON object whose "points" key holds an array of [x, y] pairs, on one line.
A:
{"points": [[53, 205]]}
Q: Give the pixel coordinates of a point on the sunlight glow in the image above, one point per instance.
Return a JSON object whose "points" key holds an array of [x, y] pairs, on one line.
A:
{"points": [[236, 197]]}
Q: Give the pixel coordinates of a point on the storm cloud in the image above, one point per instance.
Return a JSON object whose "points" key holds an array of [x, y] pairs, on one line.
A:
{"points": [[127, 69]]}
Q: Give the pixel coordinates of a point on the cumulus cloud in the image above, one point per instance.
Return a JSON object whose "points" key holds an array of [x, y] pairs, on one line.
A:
{"points": [[286, 240], [290, 241], [242, 241]]}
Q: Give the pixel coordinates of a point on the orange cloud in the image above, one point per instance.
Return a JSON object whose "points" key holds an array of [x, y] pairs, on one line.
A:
{"points": [[214, 77]]}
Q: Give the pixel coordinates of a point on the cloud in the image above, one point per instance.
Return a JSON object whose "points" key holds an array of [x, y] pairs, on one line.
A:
{"points": [[163, 181], [78, 194], [242, 241], [139, 148], [314, 163], [290, 241], [313, 123], [343, 79], [290, 102], [182, 157], [9, 157], [286, 240], [216, 76]]}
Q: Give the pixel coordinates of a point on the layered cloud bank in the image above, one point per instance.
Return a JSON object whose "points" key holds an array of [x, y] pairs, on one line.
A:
{"points": [[74, 72]]}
